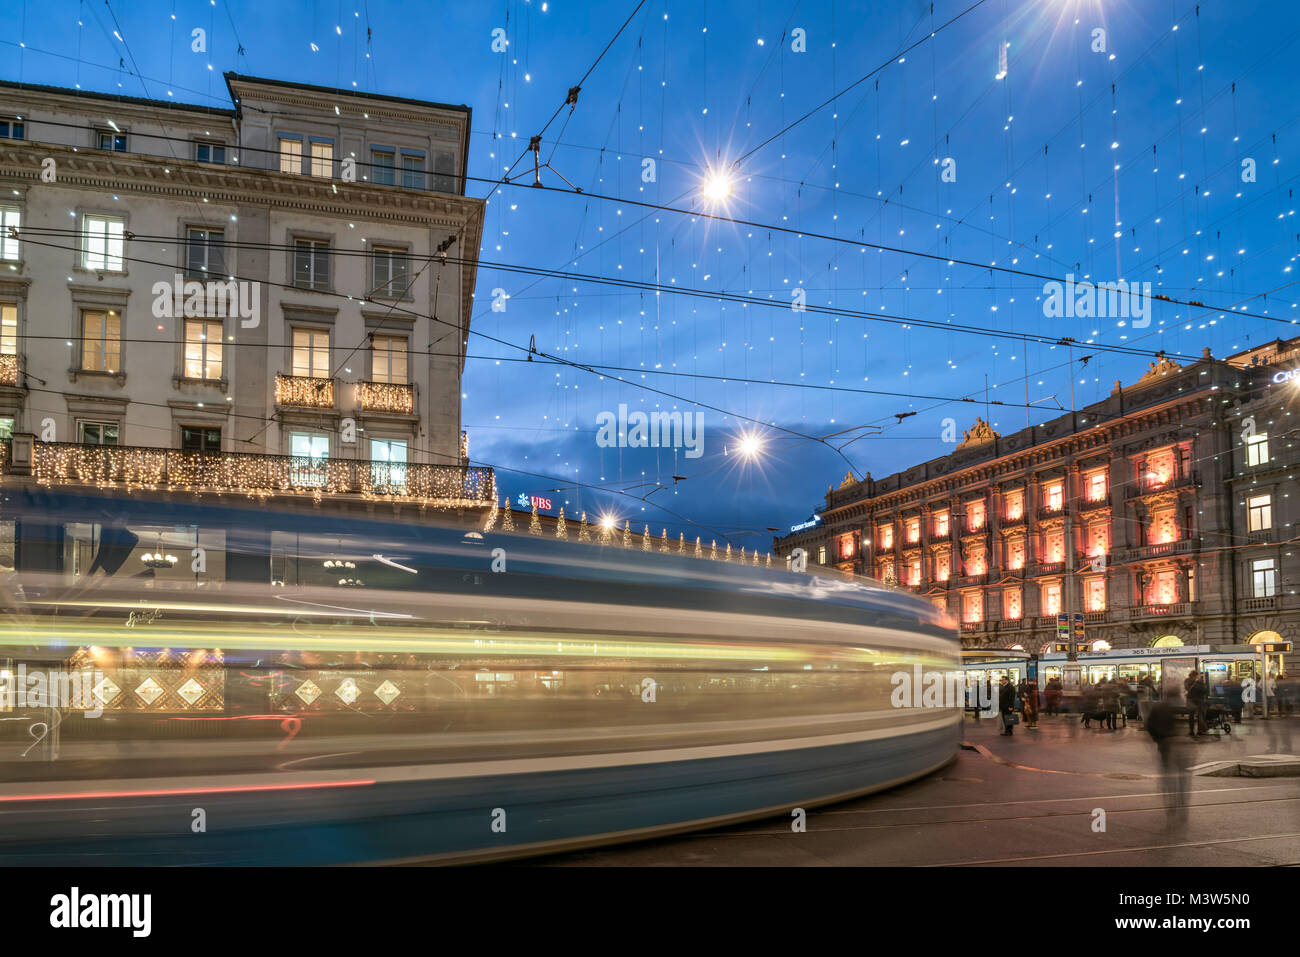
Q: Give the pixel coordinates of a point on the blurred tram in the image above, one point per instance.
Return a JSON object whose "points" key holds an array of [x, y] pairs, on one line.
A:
{"points": [[357, 690]]}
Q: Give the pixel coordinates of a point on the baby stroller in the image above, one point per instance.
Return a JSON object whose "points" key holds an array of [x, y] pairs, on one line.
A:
{"points": [[1217, 716]]}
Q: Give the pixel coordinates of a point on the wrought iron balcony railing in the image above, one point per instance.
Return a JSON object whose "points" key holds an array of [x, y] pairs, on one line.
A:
{"points": [[1182, 609], [260, 476], [303, 391], [386, 396]]}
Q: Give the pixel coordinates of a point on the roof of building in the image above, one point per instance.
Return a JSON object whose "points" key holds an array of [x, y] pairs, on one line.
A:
{"points": [[232, 77], [118, 98]]}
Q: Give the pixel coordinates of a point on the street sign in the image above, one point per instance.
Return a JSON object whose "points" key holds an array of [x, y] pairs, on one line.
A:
{"points": [[1063, 626], [1078, 628]]}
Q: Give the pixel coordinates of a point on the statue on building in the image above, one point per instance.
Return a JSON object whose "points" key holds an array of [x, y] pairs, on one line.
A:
{"points": [[978, 434]]}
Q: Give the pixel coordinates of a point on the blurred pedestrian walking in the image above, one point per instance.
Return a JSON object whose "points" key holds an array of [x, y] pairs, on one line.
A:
{"points": [[1162, 725], [1197, 691], [1007, 705]]}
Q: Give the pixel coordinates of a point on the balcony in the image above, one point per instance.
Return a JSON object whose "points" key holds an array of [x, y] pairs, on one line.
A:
{"points": [[1181, 547], [1260, 604], [1151, 487], [1088, 505], [969, 627], [966, 580], [8, 370], [1048, 568], [258, 476], [1184, 609], [1093, 617], [1012, 624], [1050, 511], [306, 392], [386, 397], [1009, 522]]}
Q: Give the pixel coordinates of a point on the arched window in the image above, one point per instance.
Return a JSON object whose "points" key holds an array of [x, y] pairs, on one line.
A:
{"points": [[1167, 641], [1101, 644], [1260, 637]]}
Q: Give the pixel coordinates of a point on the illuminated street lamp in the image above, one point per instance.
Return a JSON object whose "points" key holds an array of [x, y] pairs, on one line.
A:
{"points": [[749, 446], [717, 186]]}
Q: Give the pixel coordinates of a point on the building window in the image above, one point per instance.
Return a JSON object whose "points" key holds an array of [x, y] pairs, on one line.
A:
{"points": [[1052, 599], [322, 158], [1015, 505], [1054, 546], [10, 217], [8, 329], [846, 547], [388, 272], [311, 353], [97, 433], [388, 359], [913, 530], [383, 166], [311, 264], [115, 142], [6, 428], [101, 341], [290, 155], [310, 451], [1094, 590], [1097, 487], [1016, 553], [914, 572], [821, 555], [1263, 574], [1259, 513], [1257, 449], [1054, 497], [12, 129], [388, 462], [975, 516], [942, 566], [1012, 609], [972, 607], [202, 349], [887, 536], [413, 170], [941, 525], [103, 249], [444, 173], [1098, 535], [195, 439], [205, 252], [209, 153]]}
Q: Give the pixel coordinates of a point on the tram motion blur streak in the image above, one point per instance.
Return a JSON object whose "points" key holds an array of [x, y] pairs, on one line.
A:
{"points": [[589, 694]]}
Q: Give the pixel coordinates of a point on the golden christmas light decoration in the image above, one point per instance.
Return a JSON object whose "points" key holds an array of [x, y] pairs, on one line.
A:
{"points": [[304, 391], [492, 516], [561, 528], [663, 541], [727, 557], [8, 370], [769, 559], [260, 476], [645, 539], [584, 530], [627, 534], [507, 518], [681, 543], [713, 550], [699, 551], [534, 523], [388, 397]]}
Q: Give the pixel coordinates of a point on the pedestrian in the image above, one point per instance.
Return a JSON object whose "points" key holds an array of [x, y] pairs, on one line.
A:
{"points": [[1110, 702], [1196, 690], [1007, 704], [1053, 695], [1162, 725], [1029, 703]]}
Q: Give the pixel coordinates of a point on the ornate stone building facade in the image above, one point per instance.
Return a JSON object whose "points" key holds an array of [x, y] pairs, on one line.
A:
{"points": [[1166, 513]]}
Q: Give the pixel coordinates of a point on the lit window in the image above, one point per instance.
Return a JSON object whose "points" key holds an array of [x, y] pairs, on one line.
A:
{"points": [[1097, 487], [942, 567], [202, 349], [310, 451], [1016, 553], [311, 264], [311, 353], [914, 573], [821, 555], [290, 155], [322, 159], [205, 252], [1095, 591], [887, 536], [10, 217], [6, 428], [1015, 505], [103, 237], [1054, 497], [1052, 599], [388, 462], [1263, 575], [388, 273], [388, 359], [1011, 605], [972, 607], [975, 516], [101, 341], [8, 329], [1055, 546], [913, 529], [941, 524], [1257, 449], [1259, 512]]}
